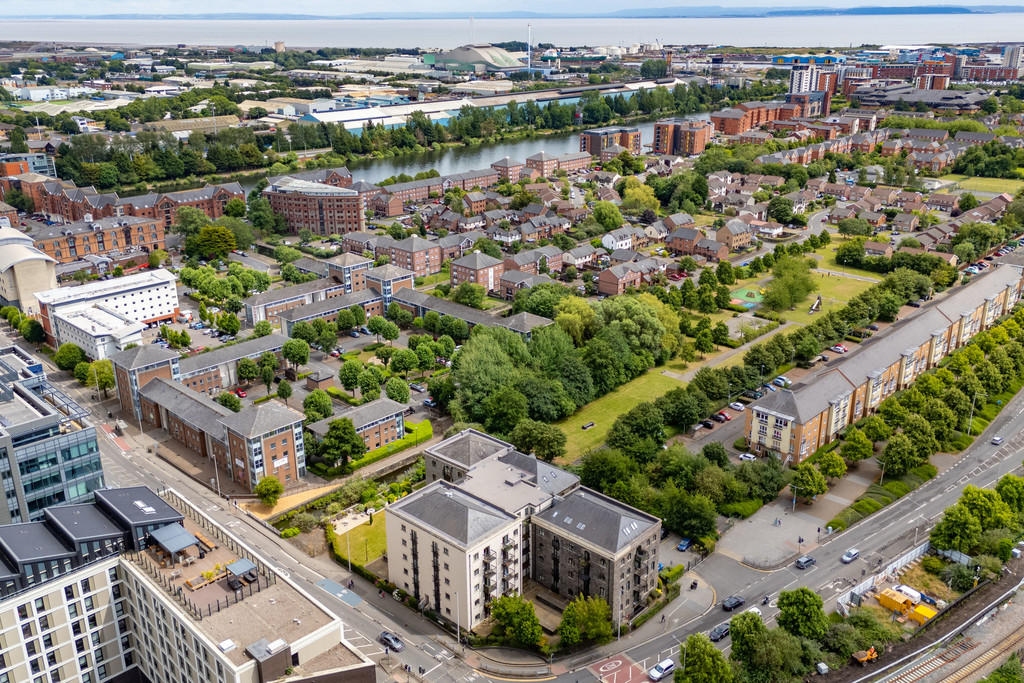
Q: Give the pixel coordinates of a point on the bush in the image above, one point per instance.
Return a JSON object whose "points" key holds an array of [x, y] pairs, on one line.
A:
{"points": [[978, 425], [304, 522], [991, 567], [672, 574], [932, 565], [741, 508], [705, 545], [740, 444], [926, 471], [290, 532], [959, 577], [867, 506], [960, 442], [896, 488]]}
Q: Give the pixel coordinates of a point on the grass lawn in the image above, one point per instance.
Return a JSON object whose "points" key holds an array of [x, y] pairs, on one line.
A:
{"points": [[431, 280], [701, 220], [835, 292], [368, 541], [992, 185], [826, 256], [604, 410]]}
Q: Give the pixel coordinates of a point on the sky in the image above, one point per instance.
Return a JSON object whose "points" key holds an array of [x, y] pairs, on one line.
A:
{"points": [[320, 7]]}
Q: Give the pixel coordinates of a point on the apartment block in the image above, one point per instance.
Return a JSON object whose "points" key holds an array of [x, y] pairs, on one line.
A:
{"points": [[70, 242], [596, 140], [270, 304], [681, 137], [379, 422], [323, 209], [477, 268], [794, 422]]}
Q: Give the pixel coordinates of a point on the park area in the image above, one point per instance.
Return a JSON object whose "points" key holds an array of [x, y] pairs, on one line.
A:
{"points": [[835, 292], [997, 185], [366, 541]]}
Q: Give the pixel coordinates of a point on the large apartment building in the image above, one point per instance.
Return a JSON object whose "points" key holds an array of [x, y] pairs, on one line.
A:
{"points": [[596, 140], [794, 422], [491, 517], [681, 137], [48, 449], [118, 590], [70, 242], [323, 209]]}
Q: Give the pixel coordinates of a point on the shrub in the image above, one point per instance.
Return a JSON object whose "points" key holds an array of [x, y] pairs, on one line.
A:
{"points": [[896, 488], [740, 444], [304, 522], [741, 508], [866, 506], [926, 471], [837, 524], [706, 545], [978, 425], [960, 443], [932, 565], [290, 532], [959, 577], [334, 508], [991, 567], [911, 480], [672, 574]]}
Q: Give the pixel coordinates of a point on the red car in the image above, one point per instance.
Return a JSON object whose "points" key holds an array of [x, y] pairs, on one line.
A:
{"points": [[240, 393], [675, 276], [724, 414]]}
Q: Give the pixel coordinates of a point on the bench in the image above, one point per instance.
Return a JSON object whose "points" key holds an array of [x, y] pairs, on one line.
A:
{"points": [[203, 540]]}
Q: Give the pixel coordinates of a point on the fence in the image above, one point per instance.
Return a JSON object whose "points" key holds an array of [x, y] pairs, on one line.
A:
{"points": [[863, 587], [957, 557]]}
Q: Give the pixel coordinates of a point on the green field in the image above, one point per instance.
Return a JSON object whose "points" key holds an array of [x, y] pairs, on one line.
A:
{"points": [[835, 292], [826, 257], [367, 541], [986, 184], [603, 411]]}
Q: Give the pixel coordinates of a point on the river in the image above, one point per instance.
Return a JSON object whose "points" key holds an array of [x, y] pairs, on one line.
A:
{"points": [[806, 31]]}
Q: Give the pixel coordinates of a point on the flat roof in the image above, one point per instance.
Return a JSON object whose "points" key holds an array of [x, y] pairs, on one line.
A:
{"points": [[101, 288], [137, 505], [32, 542], [84, 522], [97, 321]]}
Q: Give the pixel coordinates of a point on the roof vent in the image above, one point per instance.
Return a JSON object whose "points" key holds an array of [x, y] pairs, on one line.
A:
{"points": [[227, 645]]}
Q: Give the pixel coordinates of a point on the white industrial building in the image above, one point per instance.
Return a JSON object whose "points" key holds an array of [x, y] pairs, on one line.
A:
{"points": [[97, 330]]}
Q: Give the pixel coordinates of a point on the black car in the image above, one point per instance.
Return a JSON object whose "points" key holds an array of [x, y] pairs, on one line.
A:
{"points": [[719, 632], [718, 418], [753, 394], [707, 424], [392, 641], [664, 533], [916, 304], [732, 602], [873, 327]]}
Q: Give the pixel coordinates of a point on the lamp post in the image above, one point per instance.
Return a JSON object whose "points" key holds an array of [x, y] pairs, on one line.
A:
{"points": [[348, 545]]}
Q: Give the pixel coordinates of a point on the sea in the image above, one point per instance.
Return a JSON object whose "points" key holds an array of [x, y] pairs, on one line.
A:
{"points": [[807, 31]]}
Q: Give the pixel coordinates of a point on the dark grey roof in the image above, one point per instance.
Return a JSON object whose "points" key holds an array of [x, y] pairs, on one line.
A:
{"points": [[598, 519], [234, 352], [469, 447], [259, 420], [523, 323], [173, 538], [32, 542], [476, 260], [547, 477], [453, 513], [380, 409], [84, 522], [625, 255], [329, 306], [311, 265], [414, 244], [516, 277], [347, 258], [142, 356], [88, 226], [190, 406], [136, 505], [290, 292], [389, 272]]}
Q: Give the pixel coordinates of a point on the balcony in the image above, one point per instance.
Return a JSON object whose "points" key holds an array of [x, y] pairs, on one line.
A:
{"points": [[489, 571], [489, 556], [511, 545]]}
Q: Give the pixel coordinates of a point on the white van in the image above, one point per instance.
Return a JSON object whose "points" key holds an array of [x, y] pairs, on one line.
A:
{"points": [[914, 596], [662, 670]]}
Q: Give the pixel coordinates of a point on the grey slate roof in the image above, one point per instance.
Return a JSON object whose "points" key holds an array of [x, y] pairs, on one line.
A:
{"points": [[453, 513], [234, 352], [523, 323], [469, 447], [290, 292], [414, 244], [361, 416], [549, 478], [598, 519], [267, 417], [330, 305], [142, 356], [388, 272], [311, 265], [476, 260], [192, 407]]}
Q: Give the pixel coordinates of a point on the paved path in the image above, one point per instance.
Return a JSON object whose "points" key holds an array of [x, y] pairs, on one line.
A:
{"points": [[718, 360]]}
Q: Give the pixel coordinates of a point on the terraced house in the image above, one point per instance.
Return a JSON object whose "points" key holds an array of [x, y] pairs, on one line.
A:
{"points": [[794, 422]]}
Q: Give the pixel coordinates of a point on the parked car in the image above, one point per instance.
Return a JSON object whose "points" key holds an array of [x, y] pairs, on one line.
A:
{"points": [[717, 417], [736, 405], [353, 334], [781, 381], [726, 415], [805, 562], [364, 330], [707, 424], [684, 544], [837, 349], [873, 327], [916, 304], [430, 403], [849, 556], [417, 387], [719, 632], [335, 353], [748, 456], [240, 393], [392, 641], [753, 393], [662, 670], [732, 602], [769, 387]]}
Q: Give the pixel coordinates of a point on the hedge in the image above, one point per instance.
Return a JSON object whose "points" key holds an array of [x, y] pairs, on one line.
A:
{"points": [[960, 443], [827, 448], [897, 488], [978, 425], [878, 496], [671, 593], [262, 399], [672, 574], [867, 506], [415, 433], [335, 392], [741, 508]]}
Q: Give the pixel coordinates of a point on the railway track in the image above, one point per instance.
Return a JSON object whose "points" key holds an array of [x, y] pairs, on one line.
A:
{"points": [[928, 666], [997, 653]]}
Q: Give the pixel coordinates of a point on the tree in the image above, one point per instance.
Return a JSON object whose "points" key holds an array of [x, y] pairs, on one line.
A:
{"points": [[341, 443], [857, 446], [638, 433], [705, 663], [968, 201], [488, 246], [607, 215], [831, 465], [516, 620], [284, 391], [545, 441], [585, 620], [720, 333], [801, 612], [68, 356], [851, 227], [267, 376], [235, 208], [228, 323], [317, 405], [469, 294], [390, 332], [247, 370], [808, 482], [704, 343], [725, 273], [376, 325], [263, 328], [213, 241], [504, 409], [32, 331], [269, 490], [900, 456], [875, 429], [348, 375], [156, 257], [369, 384], [988, 508], [296, 352], [957, 530], [397, 390], [229, 401], [101, 375], [744, 630]]}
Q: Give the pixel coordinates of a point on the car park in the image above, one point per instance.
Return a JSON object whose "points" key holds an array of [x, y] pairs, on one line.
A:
{"points": [[748, 456], [388, 639], [849, 556], [662, 670], [732, 602], [737, 406], [805, 562], [719, 632]]}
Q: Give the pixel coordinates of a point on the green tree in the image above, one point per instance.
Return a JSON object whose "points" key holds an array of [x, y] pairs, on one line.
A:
{"points": [[874, 429], [369, 384], [390, 332], [68, 356], [808, 482], [341, 443], [469, 294], [397, 390], [267, 376], [856, 446], [504, 409], [229, 401], [987, 507], [296, 352], [585, 620], [801, 612], [704, 343], [235, 208], [213, 241], [101, 376], [228, 323], [745, 629], [957, 530], [349, 373], [32, 331], [725, 273], [546, 441], [654, 68], [317, 405], [376, 325], [269, 490], [900, 456], [284, 391], [156, 257], [404, 360], [516, 621], [705, 663], [607, 215], [263, 328], [831, 465], [638, 433]]}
